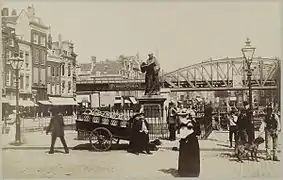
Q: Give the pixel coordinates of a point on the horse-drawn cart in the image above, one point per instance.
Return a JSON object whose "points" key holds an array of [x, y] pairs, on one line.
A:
{"points": [[104, 128]]}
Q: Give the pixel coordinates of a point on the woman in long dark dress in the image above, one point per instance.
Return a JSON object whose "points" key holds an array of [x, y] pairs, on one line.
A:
{"points": [[189, 153]]}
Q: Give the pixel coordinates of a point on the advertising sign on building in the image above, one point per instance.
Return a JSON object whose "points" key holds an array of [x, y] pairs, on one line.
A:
{"points": [[95, 100]]}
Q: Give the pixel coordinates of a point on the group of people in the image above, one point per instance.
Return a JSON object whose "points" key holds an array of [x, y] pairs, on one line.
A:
{"points": [[241, 126], [175, 115]]}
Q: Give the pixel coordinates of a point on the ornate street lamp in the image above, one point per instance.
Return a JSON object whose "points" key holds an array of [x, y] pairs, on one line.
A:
{"points": [[248, 53], [16, 62]]}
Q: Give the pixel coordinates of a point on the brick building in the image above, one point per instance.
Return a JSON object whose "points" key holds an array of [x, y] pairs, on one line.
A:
{"points": [[124, 67]]}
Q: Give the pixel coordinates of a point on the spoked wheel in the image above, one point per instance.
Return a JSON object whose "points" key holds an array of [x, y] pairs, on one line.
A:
{"points": [[100, 139]]}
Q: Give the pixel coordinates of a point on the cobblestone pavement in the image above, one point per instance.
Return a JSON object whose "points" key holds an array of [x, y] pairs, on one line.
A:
{"points": [[119, 164]]}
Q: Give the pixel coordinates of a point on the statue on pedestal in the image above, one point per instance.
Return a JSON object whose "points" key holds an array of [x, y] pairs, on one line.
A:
{"points": [[151, 69]]}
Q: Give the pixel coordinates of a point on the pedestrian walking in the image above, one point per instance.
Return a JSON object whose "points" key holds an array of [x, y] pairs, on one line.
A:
{"points": [[271, 126], [232, 118], [172, 121], [189, 152], [56, 126]]}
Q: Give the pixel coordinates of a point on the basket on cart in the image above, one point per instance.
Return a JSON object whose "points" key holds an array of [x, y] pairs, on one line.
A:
{"points": [[96, 118], [86, 116]]}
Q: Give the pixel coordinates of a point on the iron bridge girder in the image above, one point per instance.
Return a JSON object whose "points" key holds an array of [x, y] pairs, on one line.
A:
{"points": [[224, 73]]}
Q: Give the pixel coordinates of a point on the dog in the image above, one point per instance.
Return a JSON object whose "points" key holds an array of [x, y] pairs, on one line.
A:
{"points": [[248, 150], [153, 145]]}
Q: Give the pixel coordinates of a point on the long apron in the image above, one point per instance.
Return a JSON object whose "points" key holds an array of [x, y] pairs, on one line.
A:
{"points": [[189, 157]]}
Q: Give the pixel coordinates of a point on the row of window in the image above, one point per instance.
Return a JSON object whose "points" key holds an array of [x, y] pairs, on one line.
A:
{"points": [[11, 80], [55, 71], [39, 40], [39, 75], [55, 89], [9, 54], [39, 56]]}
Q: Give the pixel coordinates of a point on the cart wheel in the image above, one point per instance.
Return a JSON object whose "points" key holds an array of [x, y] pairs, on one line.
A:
{"points": [[100, 139]]}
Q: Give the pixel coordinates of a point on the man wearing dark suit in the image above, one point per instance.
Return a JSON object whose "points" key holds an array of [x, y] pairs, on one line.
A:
{"points": [[56, 126]]}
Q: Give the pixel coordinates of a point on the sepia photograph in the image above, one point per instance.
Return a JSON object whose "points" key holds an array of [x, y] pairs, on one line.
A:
{"points": [[140, 89]]}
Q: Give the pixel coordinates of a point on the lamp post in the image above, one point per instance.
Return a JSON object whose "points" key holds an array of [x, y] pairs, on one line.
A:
{"points": [[34, 92], [248, 53], [16, 62]]}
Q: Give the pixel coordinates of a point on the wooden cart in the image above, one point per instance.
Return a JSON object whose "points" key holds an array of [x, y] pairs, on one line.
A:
{"points": [[104, 128]]}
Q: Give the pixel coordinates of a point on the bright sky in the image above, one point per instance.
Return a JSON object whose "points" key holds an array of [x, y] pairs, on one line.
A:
{"points": [[180, 33]]}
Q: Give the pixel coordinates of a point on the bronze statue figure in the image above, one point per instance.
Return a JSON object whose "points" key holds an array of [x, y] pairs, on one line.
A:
{"points": [[151, 69]]}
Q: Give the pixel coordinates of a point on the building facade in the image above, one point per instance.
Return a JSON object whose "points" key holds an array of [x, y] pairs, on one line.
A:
{"points": [[30, 35], [65, 49], [15, 41], [53, 74], [38, 39]]}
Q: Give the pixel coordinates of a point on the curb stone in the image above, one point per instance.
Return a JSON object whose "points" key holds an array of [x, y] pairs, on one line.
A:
{"points": [[165, 148]]}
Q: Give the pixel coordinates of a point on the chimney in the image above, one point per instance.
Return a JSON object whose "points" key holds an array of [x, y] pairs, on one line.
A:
{"points": [[14, 12], [49, 44], [31, 11], [5, 12], [93, 59], [60, 38]]}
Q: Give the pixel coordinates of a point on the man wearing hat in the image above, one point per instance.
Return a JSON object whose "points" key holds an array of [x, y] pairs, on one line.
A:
{"points": [[272, 127], [56, 126], [244, 124], [172, 121]]}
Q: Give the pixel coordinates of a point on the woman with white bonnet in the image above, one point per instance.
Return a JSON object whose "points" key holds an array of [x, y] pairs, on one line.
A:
{"points": [[189, 153]]}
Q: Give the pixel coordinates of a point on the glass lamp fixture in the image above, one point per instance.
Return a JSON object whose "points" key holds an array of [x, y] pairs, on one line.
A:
{"points": [[248, 51]]}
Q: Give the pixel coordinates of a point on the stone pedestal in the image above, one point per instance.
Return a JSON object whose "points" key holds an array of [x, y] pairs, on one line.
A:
{"points": [[154, 113]]}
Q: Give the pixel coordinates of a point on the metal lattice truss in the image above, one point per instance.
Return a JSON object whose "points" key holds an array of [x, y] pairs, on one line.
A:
{"points": [[224, 74]]}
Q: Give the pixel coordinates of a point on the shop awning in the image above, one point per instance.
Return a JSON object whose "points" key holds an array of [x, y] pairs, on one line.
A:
{"points": [[127, 101], [134, 101], [24, 103], [83, 98], [44, 103], [58, 101]]}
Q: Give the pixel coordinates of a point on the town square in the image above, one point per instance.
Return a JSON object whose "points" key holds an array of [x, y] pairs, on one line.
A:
{"points": [[149, 90]]}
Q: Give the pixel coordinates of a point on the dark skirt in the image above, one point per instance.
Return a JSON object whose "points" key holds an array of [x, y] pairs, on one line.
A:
{"points": [[189, 157]]}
